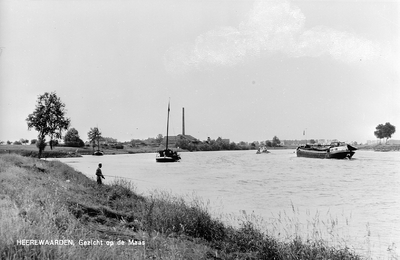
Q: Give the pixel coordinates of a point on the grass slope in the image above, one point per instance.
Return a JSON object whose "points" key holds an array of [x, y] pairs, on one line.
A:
{"points": [[48, 200]]}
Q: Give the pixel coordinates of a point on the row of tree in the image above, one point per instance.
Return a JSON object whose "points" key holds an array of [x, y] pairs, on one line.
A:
{"points": [[49, 120], [221, 144]]}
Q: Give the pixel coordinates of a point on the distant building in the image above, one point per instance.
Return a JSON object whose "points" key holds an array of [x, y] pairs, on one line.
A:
{"points": [[370, 142], [189, 138], [226, 141], [172, 140]]}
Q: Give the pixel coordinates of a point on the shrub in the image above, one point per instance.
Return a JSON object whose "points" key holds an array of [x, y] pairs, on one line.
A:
{"points": [[78, 143]]}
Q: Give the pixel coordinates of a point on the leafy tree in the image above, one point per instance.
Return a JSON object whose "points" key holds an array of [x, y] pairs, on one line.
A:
{"points": [[233, 146], [159, 138], [41, 144], [183, 144], [23, 141], [72, 138], [53, 143], [33, 141], [385, 131], [379, 132], [275, 141], [94, 136], [242, 145], [48, 119], [110, 140]]}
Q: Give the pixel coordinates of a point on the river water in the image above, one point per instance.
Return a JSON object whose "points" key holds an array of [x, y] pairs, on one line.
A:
{"points": [[353, 203]]}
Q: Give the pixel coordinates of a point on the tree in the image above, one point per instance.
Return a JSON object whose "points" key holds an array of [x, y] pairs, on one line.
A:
{"points": [[41, 145], [72, 138], [159, 138], [23, 141], [233, 146], [48, 119], [110, 140], [275, 141], [379, 132], [94, 136], [53, 143], [385, 131]]}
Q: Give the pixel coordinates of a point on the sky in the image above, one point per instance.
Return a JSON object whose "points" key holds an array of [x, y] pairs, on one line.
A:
{"points": [[243, 70]]}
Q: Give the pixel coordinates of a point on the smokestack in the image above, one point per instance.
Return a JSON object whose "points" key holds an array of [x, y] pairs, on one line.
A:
{"points": [[183, 121]]}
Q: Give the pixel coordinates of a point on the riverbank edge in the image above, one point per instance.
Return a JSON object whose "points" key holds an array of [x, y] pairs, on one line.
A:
{"points": [[49, 200]]}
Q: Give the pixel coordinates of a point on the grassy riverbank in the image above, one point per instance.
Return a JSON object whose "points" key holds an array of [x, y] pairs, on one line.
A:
{"points": [[48, 200], [380, 147], [62, 151]]}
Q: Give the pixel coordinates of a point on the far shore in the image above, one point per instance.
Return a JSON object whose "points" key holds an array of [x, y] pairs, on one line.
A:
{"points": [[64, 152]]}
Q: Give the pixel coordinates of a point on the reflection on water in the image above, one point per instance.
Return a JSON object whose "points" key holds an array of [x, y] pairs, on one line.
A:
{"points": [[347, 202]]}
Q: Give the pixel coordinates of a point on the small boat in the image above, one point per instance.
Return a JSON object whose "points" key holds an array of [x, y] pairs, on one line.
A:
{"points": [[336, 150], [98, 153], [96, 135], [167, 155], [262, 149]]}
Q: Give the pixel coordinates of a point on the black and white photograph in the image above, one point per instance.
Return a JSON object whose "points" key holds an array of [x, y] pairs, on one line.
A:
{"points": [[199, 129]]}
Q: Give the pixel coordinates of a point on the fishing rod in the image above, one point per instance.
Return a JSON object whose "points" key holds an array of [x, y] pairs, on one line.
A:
{"points": [[118, 177], [125, 178]]}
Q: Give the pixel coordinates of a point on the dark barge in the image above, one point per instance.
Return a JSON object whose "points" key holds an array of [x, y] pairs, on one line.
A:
{"points": [[336, 150]]}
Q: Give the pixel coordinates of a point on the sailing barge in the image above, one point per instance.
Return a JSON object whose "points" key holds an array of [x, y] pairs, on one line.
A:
{"points": [[167, 155], [336, 150]]}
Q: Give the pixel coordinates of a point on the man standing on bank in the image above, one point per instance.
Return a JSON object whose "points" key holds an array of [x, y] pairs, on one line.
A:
{"points": [[99, 174]]}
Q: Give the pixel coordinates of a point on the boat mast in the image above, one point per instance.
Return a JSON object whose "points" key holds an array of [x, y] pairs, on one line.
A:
{"points": [[166, 145], [98, 139]]}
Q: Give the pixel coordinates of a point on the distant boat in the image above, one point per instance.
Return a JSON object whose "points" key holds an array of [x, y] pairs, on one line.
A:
{"points": [[167, 155], [98, 153], [262, 149], [336, 150]]}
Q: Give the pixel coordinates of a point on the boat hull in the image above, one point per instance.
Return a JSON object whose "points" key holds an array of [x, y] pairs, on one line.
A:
{"points": [[262, 150], [167, 156], [167, 159], [311, 153], [339, 152]]}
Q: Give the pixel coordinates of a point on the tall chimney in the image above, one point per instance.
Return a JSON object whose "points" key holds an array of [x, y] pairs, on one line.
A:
{"points": [[183, 121]]}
